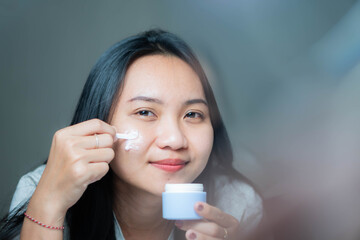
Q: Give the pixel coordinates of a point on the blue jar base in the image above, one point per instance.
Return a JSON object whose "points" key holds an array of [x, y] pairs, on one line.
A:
{"points": [[180, 205]]}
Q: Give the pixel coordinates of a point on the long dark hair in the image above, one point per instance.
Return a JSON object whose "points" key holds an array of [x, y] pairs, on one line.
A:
{"points": [[92, 216]]}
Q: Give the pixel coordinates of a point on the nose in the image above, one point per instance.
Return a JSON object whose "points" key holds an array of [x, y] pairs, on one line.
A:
{"points": [[171, 135]]}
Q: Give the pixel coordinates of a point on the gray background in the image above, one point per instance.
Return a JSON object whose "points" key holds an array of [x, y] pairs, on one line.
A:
{"points": [[284, 73]]}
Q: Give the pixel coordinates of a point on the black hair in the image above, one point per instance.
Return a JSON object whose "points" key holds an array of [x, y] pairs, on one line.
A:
{"points": [[91, 217]]}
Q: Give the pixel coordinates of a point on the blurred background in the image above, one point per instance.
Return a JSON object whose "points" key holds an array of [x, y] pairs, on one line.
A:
{"points": [[286, 74]]}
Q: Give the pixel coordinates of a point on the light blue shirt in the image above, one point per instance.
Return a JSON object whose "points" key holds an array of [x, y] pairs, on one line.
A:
{"points": [[238, 199]]}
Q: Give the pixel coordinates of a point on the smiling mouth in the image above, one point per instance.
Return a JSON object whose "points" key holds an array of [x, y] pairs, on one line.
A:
{"points": [[170, 165]]}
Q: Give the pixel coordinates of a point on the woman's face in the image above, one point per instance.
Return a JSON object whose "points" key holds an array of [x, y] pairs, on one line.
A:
{"points": [[164, 101]]}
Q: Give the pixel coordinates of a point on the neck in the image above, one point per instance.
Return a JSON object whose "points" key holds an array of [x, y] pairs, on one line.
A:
{"points": [[139, 213]]}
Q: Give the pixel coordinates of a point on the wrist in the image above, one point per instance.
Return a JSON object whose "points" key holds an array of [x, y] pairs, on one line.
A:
{"points": [[43, 224], [46, 211]]}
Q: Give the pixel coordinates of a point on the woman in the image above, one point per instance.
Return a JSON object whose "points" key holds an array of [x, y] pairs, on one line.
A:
{"points": [[101, 187]]}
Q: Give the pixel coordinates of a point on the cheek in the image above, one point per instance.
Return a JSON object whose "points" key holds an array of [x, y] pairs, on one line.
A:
{"points": [[128, 152], [203, 143], [132, 146]]}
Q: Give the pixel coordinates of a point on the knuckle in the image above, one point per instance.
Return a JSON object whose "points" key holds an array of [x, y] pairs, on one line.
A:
{"points": [[108, 140], [215, 230], [97, 123], [105, 169], [77, 156], [58, 135], [233, 221], [220, 217], [71, 142], [78, 171], [110, 153]]}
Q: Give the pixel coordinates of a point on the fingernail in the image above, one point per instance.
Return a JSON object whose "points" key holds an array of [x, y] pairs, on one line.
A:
{"points": [[200, 207], [192, 236], [179, 224]]}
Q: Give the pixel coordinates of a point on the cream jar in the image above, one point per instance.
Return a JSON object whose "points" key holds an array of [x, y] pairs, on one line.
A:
{"points": [[178, 201]]}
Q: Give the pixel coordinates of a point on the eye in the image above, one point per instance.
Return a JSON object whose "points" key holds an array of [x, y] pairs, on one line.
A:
{"points": [[145, 113], [194, 115]]}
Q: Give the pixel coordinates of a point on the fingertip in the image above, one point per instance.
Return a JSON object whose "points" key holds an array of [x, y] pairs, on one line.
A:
{"points": [[199, 206], [191, 234], [114, 133], [179, 223]]}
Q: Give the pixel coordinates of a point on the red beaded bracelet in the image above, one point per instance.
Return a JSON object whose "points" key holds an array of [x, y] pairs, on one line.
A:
{"points": [[43, 225]]}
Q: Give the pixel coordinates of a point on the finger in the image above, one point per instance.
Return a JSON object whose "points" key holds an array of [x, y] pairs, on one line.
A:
{"points": [[100, 155], [208, 228], [186, 224], [214, 214], [192, 235], [90, 127], [97, 171], [89, 142]]}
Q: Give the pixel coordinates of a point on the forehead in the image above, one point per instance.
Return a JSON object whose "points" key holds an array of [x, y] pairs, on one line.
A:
{"points": [[162, 77]]}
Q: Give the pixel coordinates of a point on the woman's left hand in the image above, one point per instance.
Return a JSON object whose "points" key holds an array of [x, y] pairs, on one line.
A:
{"points": [[215, 225]]}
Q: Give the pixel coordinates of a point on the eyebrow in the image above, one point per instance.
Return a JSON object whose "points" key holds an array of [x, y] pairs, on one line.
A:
{"points": [[194, 101], [146, 99], [158, 101]]}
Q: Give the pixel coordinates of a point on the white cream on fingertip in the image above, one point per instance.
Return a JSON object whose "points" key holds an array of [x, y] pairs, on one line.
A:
{"points": [[132, 138], [134, 144], [128, 135]]}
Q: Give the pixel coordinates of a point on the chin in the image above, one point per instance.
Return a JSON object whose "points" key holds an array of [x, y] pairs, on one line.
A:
{"points": [[158, 186]]}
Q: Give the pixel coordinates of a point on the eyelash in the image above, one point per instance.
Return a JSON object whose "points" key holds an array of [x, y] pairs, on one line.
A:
{"points": [[201, 116], [143, 113]]}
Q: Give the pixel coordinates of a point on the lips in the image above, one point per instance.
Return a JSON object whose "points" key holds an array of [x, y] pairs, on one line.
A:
{"points": [[169, 165]]}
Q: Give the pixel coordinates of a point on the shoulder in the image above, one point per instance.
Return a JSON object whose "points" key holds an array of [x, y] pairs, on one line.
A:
{"points": [[239, 199], [33, 177], [26, 187]]}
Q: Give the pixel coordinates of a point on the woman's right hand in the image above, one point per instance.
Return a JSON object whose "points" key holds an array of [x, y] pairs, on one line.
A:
{"points": [[74, 162]]}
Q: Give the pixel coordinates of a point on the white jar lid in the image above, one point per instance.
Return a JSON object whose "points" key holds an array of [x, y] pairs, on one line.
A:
{"points": [[184, 187]]}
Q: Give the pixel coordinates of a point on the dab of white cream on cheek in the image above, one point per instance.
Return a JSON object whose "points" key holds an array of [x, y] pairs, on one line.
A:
{"points": [[133, 144], [132, 138]]}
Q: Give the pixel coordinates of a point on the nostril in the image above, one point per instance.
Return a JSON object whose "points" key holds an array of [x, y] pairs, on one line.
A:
{"points": [[171, 135]]}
